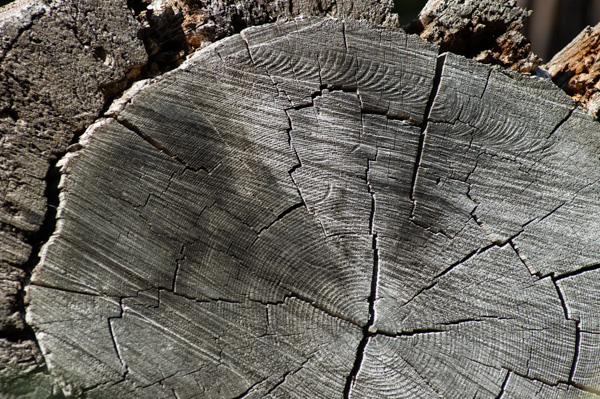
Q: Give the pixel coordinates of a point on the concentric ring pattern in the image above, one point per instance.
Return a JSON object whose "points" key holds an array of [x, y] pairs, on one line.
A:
{"points": [[319, 208]]}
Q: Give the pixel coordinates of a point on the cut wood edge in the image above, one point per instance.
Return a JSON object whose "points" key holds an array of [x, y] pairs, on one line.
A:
{"points": [[128, 95], [24, 1]]}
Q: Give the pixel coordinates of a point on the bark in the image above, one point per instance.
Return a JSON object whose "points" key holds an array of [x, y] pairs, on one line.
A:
{"points": [[56, 60], [313, 208], [575, 69], [488, 31]]}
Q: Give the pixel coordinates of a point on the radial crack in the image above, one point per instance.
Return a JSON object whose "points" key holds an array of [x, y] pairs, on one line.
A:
{"points": [[369, 329], [521, 257], [279, 217], [474, 320], [245, 39], [576, 352], [291, 295], [290, 127], [130, 126], [178, 260], [463, 260], [286, 375], [503, 386], [562, 299], [344, 35], [439, 67], [114, 340], [428, 287], [357, 364], [375, 276], [408, 120], [69, 290], [416, 331], [442, 329], [584, 269], [554, 384], [299, 164], [551, 384], [322, 308], [279, 91], [250, 390], [559, 124], [423, 378], [437, 277]]}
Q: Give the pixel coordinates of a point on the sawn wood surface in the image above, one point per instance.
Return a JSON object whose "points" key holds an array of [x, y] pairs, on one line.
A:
{"points": [[322, 209]]}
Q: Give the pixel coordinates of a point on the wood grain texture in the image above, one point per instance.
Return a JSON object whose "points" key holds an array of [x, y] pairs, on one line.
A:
{"points": [[320, 208], [172, 29]]}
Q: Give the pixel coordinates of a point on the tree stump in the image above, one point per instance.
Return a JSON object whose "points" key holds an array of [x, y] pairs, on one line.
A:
{"points": [[324, 208], [320, 208]]}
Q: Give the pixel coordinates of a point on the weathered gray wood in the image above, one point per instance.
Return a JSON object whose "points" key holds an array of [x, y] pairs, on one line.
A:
{"points": [[319, 208], [210, 211]]}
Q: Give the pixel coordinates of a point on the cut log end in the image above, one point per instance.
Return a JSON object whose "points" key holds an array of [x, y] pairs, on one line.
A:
{"points": [[280, 218], [316, 208]]}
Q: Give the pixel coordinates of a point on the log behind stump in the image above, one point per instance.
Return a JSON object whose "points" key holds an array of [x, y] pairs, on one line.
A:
{"points": [[319, 208]]}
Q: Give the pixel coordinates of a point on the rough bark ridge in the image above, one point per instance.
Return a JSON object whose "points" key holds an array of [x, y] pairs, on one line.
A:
{"points": [[488, 31], [577, 71], [55, 61], [60, 63], [304, 225]]}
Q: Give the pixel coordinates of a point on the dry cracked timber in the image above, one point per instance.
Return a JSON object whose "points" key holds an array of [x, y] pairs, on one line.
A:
{"points": [[320, 208]]}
